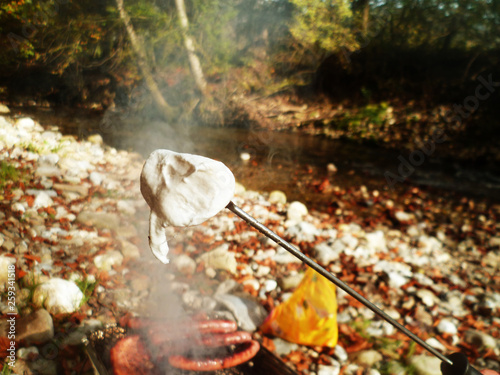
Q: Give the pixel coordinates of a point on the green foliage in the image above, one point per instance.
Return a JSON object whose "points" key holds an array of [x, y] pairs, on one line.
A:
{"points": [[6, 370], [87, 289], [323, 25], [365, 117], [8, 173]]}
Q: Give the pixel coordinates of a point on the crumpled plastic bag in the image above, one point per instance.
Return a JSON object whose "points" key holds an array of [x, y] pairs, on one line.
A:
{"points": [[309, 316]]}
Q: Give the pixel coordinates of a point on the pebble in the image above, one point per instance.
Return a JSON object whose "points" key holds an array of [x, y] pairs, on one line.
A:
{"points": [[129, 250], [284, 257], [296, 212], [105, 262], [220, 258], [125, 207], [270, 285], [96, 178], [302, 232], [277, 197], [184, 264], [428, 298], [340, 353], [36, 328], [403, 217], [248, 313], [447, 326], [42, 200], [283, 347], [368, 358], [100, 220], [325, 254], [290, 282], [436, 344], [426, 365], [332, 369], [376, 241], [58, 296], [480, 339]]}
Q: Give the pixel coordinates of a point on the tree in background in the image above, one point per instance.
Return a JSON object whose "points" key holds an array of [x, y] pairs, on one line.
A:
{"points": [[143, 63]]}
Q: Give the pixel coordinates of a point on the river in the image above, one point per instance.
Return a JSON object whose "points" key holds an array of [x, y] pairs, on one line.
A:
{"points": [[295, 163]]}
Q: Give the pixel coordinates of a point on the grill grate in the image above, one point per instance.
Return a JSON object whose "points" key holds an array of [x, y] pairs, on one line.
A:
{"points": [[99, 343]]}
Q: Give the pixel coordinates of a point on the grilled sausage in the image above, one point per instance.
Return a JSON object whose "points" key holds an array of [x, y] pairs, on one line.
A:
{"points": [[130, 356], [249, 350]]}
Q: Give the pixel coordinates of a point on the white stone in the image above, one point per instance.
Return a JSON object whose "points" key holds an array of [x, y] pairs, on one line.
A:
{"points": [[270, 285], [48, 160], [436, 344], [396, 280], [325, 254], [284, 257], [426, 365], [18, 207], [42, 200], [376, 241], [26, 123], [182, 190], [106, 261], [447, 326], [58, 296], [332, 369], [340, 353], [184, 264], [368, 358], [428, 298], [296, 212], [403, 217], [125, 207], [220, 258], [96, 178], [303, 231], [277, 197]]}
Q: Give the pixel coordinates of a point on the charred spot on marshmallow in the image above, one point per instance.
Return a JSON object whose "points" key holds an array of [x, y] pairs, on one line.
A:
{"points": [[182, 190]]}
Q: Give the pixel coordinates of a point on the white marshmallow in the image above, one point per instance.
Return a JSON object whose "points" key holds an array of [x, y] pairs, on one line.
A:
{"points": [[182, 190]]}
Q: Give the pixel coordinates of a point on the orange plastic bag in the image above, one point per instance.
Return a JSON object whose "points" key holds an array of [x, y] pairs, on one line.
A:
{"points": [[309, 316]]}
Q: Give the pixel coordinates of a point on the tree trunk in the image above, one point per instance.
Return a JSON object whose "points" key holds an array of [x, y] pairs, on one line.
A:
{"points": [[194, 62], [142, 61]]}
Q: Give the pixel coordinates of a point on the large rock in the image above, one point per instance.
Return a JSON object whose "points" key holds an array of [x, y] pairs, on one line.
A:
{"points": [[58, 296], [35, 328]]}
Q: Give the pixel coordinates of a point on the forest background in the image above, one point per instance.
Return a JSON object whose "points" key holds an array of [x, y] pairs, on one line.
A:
{"points": [[377, 71]]}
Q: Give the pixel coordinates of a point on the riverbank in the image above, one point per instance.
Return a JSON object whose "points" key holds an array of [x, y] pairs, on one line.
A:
{"points": [[72, 210]]}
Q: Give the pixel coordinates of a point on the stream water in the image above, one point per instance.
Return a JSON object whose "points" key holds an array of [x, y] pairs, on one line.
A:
{"points": [[291, 162]]}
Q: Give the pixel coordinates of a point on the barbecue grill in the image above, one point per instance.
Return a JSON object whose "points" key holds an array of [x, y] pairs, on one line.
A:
{"points": [[98, 345]]}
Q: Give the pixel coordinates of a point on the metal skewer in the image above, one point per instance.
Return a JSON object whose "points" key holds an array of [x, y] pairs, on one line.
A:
{"points": [[328, 275]]}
